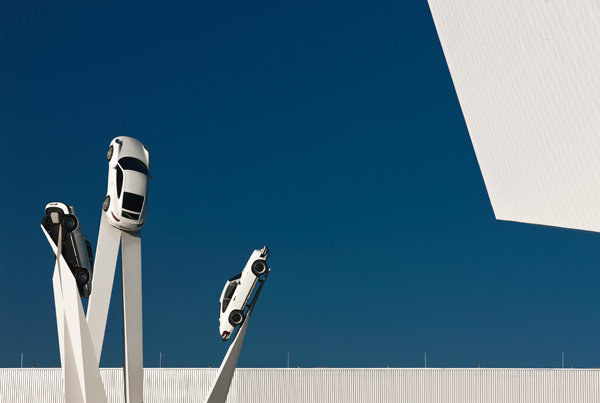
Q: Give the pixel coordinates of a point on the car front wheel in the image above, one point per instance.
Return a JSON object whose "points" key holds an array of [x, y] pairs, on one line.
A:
{"points": [[109, 154], [236, 317], [259, 268], [69, 223], [82, 276], [106, 203]]}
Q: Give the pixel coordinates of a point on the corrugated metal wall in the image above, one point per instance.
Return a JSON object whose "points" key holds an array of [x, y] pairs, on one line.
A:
{"points": [[431, 385]]}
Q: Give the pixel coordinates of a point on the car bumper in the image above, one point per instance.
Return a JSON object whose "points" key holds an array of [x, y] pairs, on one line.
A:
{"points": [[123, 224]]}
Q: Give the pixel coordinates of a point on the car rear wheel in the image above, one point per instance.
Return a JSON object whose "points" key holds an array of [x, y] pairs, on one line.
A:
{"points": [[109, 154], [106, 203], [236, 317], [82, 276], [69, 222], [259, 267]]}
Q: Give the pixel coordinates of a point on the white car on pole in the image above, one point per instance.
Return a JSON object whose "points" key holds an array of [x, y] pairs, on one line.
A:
{"points": [[126, 202], [238, 290], [76, 249]]}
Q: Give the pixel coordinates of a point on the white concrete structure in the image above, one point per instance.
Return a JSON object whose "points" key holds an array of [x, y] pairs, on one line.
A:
{"points": [[80, 373], [431, 385], [107, 251], [81, 338], [527, 75]]}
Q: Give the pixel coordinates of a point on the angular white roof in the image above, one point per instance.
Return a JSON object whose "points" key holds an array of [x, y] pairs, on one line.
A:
{"points": [[527, 75]]}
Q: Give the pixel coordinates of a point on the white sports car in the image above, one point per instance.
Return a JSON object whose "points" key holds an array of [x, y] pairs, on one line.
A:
{"points": [[126, 203], [238, 290], [76, 249]]}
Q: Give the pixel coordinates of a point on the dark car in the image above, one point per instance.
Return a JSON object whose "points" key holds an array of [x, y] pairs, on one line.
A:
{"points": [[76, 249]]}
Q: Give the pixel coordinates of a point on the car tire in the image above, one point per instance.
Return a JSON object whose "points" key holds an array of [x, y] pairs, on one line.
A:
{"points": [[106, 203], [109, 154], [82, 276], [259, 267], [47, 223], [236, 318], [69, 223]]}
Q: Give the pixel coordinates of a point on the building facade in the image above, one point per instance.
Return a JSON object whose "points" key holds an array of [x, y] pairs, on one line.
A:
{"points": [[327, 385]]}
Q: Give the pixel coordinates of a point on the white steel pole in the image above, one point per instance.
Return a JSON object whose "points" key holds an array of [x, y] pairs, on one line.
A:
{"points": [[133, 351], [81, 377], [107, 251], [220, 388]]}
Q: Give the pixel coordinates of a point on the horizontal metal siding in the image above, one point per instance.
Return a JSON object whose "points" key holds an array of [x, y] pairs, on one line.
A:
{"points": [[431, 385]]}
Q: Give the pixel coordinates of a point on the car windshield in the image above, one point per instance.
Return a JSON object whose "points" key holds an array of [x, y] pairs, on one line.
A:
{"points": [[133, 202], [132, 164], [235, 277], [228, 294]]}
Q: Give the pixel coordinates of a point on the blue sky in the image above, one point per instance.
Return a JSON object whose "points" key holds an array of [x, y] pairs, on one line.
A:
{"points": [[329, 132]]}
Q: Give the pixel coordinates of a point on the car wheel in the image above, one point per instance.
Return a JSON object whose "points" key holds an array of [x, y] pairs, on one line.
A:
{"points": [[69, 222], [106, 203], [109, 154], [82, 276], [47, 223], [259, 267], [236, 317]]}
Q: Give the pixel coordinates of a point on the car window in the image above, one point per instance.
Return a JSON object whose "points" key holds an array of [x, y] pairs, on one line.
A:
{"points": [[90, 252], [133, 202], [129, 163], [119, 181], [88, 245], [228, 294]]}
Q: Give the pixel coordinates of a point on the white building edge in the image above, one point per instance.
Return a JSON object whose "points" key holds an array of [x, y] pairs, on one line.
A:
{"points": [[527, 75], [327, 385]]}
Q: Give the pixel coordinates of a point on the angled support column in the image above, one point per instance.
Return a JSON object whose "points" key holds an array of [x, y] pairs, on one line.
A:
{"points": [[105, 263], [220, 388], [70, 378], [107, 252], [80, 372], [133, 351]]}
